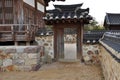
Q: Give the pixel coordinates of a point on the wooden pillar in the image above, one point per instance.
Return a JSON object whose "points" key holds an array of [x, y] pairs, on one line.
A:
{"points": [[3, 10], [60, 44], [55, 42], [35, 13], [16, 43], [15, 11], [12, 32], [28, 43], [79, 41], [20, 11]]}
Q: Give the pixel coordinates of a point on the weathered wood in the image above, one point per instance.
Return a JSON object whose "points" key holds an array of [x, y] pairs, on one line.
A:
{"points": [[58, 42], [59, 39], [55, 42], [81, 40], [78, 43], [18, 14], [24, 35], [28, 43], [62, 43], [35, 11], [16, 43], [20, 11], [3, 10]]}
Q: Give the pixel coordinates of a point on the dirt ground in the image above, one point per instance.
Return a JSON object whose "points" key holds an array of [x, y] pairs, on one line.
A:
{"points": [[58, 71]]}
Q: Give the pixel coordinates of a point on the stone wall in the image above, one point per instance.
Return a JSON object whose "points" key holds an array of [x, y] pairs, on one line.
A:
{"points": [[47, 42], [20, 58], [91, 53], [111, 68]]}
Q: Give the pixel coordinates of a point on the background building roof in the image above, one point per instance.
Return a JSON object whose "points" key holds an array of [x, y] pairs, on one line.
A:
{"points": [[112, 19]]}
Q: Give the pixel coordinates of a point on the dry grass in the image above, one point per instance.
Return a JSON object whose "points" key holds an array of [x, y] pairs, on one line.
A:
{"points": [[58, 71]]}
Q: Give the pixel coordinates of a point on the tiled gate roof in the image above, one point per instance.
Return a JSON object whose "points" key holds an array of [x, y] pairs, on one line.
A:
{"points": [[72, 13]]}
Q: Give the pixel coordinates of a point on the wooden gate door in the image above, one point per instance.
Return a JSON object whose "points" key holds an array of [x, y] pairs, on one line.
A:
{"points": [[59, 43]]}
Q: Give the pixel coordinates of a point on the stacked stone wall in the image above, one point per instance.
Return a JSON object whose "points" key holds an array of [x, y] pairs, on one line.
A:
{"points": [[91, 53], [111, 68], [20, 58]]}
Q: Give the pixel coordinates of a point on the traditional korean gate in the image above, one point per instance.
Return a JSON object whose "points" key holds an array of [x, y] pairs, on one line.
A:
{"points": [[61, 46], [65, 18]]}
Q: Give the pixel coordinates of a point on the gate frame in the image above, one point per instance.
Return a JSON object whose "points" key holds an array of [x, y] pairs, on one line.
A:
{"points": [[58, 29]]}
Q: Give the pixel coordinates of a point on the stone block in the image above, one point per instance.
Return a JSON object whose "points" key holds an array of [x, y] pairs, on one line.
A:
{"points": [[8, 68], [19, 62], [24, 68], [7, 62], [86, 58], [24, 55], [31, 61], [1, 62], [27, 68], [10, 50], [1, 51], [15, 56], [33, 55], [51, 53], [12, 55], [31, 50], [20, 50], [3, 55], [46, 44], [36, 67], [18, 56], [48, 59], [20, 68]]}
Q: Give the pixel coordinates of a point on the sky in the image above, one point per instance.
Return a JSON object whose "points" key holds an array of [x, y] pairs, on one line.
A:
{"points": [[98, 8]]}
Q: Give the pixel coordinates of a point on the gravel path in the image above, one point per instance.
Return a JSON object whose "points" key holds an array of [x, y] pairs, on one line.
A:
{"points": [[58, 71]]}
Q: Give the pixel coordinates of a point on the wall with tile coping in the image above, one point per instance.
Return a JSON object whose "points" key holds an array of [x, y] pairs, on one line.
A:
{"points": [[111, 68]]}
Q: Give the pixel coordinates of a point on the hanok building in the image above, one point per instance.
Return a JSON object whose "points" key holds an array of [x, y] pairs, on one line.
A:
{"points": [[19, 20], [63, 18], [112, 21]]}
